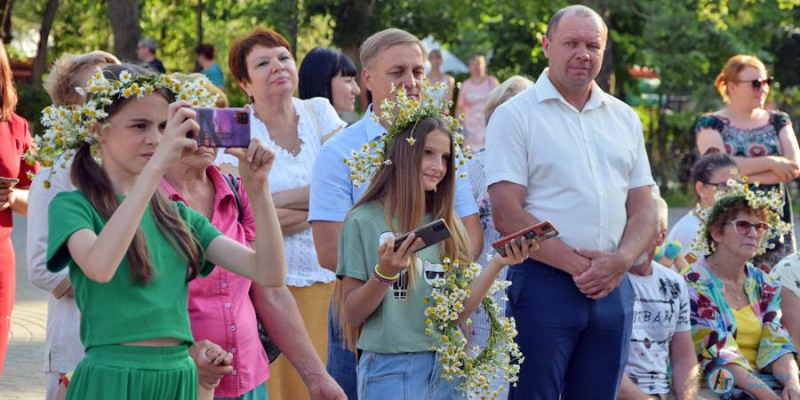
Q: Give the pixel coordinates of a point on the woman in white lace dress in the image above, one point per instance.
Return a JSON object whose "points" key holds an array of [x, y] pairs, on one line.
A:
{"points": [[262, 64]]}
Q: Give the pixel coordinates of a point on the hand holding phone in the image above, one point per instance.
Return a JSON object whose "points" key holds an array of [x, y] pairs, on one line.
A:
{"points": [[223, 127], [430, 233], [539, 232], [6, 183]]}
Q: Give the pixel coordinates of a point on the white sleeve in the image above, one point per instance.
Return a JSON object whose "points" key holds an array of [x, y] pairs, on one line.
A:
{"points": [[39, 200], [640, 175], [507, 142], [684, 233], [327, 117]]}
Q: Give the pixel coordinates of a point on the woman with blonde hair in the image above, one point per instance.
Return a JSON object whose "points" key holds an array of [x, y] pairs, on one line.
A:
{"points": [[761, 142]]}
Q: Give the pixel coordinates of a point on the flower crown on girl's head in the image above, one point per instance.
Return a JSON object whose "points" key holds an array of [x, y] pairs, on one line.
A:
{"points": [[398, 114], [67, 127], [769, 200]]}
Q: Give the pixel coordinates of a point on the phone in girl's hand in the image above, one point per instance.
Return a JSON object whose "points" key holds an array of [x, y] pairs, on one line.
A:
{"points": [[223, 127], [539, 232], [6, 183], [430, 233]]}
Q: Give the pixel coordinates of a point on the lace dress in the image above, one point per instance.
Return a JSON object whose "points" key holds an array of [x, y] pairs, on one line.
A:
{"points": [[759, 142]]}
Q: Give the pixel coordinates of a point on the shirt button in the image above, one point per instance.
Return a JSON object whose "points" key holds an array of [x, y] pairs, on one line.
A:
{"points": [[224, 285], [233, 328], [227, 304], [234, 372], [233, 350]]}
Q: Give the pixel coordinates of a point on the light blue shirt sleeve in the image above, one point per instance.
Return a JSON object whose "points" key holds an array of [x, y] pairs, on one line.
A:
{"points": [[331, 196], [465, 203]]}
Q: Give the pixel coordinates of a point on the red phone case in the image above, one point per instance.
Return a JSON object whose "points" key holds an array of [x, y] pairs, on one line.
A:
{"points": [[539, 232]]}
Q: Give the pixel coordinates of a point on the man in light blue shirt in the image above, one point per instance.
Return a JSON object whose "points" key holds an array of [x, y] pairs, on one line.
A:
{"points": [[391, 57]]}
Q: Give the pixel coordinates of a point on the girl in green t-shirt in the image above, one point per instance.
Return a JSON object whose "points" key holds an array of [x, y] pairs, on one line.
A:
{"points": [[382, 291], [130, 251]]}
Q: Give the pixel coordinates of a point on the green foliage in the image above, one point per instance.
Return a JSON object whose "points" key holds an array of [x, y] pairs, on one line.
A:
{"points": [[32, 100]]}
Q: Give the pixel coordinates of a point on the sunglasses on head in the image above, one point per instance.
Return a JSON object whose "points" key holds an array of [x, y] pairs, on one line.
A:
{"points": [[758, 83], [743, 227]]}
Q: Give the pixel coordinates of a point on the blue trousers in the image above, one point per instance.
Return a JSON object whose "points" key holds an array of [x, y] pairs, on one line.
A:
{"points": [[341, 363], [574, 347]]}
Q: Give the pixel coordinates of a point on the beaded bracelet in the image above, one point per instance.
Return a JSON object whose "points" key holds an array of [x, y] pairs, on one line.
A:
{"points": [[382, 279]]}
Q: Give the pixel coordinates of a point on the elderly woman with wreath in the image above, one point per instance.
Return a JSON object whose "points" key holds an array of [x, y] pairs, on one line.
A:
{"points": [[735, 307]]}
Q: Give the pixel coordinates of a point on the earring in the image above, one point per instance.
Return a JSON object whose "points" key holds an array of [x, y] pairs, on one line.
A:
{"points": [[252, 100]]}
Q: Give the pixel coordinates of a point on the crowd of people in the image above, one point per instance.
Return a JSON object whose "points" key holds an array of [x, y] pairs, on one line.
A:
{"points": [[179, 271]]}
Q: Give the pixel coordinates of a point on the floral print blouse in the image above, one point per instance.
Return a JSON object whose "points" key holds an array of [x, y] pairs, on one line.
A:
{"points": [[759, 142], [714, 326]]}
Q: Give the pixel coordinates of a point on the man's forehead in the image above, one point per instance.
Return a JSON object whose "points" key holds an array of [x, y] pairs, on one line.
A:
{"points": [[580, 26], [407, 55]]}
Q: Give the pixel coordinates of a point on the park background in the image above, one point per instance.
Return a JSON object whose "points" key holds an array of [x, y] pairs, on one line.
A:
{"points": [[662, 55]]}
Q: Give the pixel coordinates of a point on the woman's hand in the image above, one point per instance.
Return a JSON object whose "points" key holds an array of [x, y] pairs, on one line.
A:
{"points": [[391, 262], [517, 251], [7, 196], [212, 363], [791, 391], [177, 141], [786, 169], [255, 163]]}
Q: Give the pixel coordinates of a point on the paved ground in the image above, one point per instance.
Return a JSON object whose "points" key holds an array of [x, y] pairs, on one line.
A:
{"points": [[22, 374]]}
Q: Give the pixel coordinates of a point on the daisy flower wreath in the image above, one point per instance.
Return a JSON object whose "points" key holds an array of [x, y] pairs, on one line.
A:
{"points": [[501, 357], [397, 114], [771, 200], [68, 127], [475, 367]]}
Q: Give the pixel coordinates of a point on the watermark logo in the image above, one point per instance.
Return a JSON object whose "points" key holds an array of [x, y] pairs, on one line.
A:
{"points": [[721, 380]]}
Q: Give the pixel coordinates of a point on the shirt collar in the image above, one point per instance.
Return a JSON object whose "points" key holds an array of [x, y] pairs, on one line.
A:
{"points": [[546, 91], [221, 188], [374, 129]]}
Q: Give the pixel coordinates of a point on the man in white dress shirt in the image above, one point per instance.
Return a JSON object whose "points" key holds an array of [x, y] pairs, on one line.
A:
{"points": [[565, 151]]}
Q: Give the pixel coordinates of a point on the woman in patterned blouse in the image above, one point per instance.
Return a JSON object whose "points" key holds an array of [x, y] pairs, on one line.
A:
{"points": [[761, 142], [735, 308]]}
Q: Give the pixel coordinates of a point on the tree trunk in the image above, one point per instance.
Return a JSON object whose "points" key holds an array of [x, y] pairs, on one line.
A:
{"points": [[293, 24], [7, 6], [124, 18], [40, 62], [199, 22]]}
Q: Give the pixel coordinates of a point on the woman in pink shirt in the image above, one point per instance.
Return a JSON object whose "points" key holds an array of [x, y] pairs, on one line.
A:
{"points": [[472, 102], [223, 307]]}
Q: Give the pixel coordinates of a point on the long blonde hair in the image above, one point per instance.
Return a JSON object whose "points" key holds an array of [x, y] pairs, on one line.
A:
{"points": [[399, 187]]}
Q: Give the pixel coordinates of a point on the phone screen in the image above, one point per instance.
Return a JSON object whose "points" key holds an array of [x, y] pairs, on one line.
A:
{"points": [[223, 127]]}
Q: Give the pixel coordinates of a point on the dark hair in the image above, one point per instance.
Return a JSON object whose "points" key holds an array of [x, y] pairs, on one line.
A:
{"points": [[93, 181], [320, 65], [709, 164], [206, 50], [241, 47], [8, 94]]}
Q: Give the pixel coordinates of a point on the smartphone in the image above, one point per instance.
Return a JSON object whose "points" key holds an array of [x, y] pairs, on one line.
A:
{"points": [[430, 233], [223, 127], [539, 232], [8, 182]]}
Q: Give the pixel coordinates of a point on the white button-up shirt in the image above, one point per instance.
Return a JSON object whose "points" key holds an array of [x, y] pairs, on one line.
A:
{"points": [[577, 166], [63, 348]]}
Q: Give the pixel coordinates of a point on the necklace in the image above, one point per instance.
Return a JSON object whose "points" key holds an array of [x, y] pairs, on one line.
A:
{"points": [[737, 296]]}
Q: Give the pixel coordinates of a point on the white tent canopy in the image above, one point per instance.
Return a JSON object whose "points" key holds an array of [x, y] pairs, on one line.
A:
{"points": [[450, 63]]}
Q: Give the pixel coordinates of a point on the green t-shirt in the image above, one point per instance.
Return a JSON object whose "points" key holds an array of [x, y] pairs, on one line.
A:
{"points": [[398, 324], [120, 311]]}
